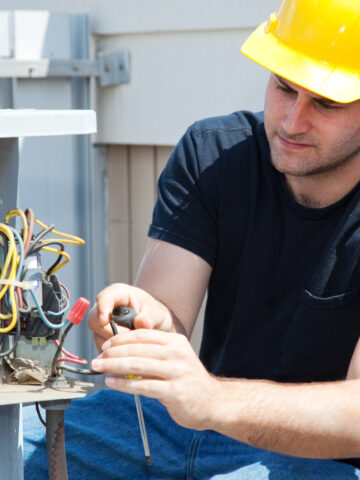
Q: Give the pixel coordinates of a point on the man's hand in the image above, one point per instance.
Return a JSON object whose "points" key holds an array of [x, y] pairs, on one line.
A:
{"points": [[151, 314], [169, 369]]}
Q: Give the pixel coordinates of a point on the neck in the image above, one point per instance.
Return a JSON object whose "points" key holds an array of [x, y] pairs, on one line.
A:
{"points": [[319, 192]]}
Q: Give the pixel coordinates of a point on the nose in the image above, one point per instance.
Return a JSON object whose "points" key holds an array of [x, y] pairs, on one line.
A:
{"points": [[297, 118]]}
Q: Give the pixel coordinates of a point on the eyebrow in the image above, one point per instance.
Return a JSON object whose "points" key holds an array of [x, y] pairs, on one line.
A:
{"points": [[321, 100]]}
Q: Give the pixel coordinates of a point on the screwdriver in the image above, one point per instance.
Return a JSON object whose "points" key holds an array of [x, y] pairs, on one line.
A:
{"points": [[124, 316]]}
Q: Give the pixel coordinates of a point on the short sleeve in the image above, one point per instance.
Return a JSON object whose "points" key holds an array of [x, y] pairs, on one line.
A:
{"points": [[185, 213]]}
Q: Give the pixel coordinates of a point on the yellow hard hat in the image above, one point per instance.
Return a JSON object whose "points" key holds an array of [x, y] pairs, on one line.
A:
{"points": [[313, 43]]}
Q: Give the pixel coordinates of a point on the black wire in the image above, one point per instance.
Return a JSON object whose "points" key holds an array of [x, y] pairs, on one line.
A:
{"points": [[39, 414], [39, 236], [5, 245], [15, 341], [54, 367], [58, 260], [5, 305], [82, 371]]}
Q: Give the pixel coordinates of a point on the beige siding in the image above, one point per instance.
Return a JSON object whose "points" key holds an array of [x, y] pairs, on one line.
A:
{"points": [[132, 173], [118, 214]]}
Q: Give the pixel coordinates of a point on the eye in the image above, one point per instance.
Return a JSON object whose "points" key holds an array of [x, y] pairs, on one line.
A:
{"points": [[328, 105], [284, 88]]}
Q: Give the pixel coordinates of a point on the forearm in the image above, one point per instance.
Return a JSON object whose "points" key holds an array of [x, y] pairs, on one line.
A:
{"points": [[314, 420], [182, 292]]}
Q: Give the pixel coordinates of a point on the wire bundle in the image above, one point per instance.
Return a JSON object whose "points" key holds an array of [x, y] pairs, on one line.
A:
{"points": [[17, 247]]}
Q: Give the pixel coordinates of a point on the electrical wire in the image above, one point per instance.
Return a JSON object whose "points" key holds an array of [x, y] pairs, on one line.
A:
{"points": [[39, 236], [79, 361], [60, 253], [66, 352], [55, 368], [60, 346], [64, 287], [16, 248], [67, 238], [10, 257], [29, 214], [39, 414], [16, 212], [14, 343], [54, 365], [47, 322], [81, 371]]}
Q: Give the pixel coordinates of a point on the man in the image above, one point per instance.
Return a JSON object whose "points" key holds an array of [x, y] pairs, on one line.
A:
{"points": [[263, 213]]}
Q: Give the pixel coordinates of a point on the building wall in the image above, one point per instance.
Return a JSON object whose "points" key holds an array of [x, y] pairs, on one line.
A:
{"points": [[132, 173]]}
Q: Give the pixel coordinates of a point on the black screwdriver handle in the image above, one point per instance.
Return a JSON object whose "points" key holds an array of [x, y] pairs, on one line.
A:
{"points": [[123, 316]]}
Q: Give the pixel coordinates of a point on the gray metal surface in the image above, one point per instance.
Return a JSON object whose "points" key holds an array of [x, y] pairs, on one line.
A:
{"points": [[43, 354], [112, 68], [9, 168], [11, 457]]}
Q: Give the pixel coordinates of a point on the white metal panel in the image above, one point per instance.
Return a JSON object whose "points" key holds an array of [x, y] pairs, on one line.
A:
{"points": [[50, 35], [111, 17], [31, 123]]}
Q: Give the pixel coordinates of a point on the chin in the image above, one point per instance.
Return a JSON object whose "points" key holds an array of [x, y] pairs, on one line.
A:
{"points": [[288, 166]]}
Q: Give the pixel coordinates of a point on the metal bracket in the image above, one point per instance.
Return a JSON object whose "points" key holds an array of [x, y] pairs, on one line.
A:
{"points": [[111, 68]]}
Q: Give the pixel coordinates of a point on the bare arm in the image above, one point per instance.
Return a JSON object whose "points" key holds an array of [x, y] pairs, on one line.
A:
{"points": [[169, 290], [177, 278], [306, 420]]}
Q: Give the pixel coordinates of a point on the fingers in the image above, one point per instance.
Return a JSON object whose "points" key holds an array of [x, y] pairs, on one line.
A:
{"points": [[105, 333], [149, 388], [137, 366], [113, 296], [148, 353], [138, 350], [148, 336], [150, 312]]}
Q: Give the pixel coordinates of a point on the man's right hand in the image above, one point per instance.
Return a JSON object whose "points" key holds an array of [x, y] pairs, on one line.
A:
{"points": [[151, 313]]}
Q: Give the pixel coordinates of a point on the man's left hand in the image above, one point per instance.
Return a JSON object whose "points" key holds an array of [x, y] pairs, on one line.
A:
{"points": [[169, 371]]}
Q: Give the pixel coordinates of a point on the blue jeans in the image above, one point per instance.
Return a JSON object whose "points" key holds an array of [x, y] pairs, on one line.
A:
{"points": [[103, 442]]}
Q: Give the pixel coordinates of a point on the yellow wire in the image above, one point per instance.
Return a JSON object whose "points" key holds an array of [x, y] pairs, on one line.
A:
{"points": [[16, 212], [11, 255], [71, 238], [13, 314], [59, 252], [11, 248]]}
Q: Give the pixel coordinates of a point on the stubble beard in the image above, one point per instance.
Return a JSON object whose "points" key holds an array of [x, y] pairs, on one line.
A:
{"points": [[319, 165]]}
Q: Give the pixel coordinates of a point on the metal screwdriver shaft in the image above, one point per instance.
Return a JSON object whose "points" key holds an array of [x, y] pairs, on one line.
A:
{"points": [[124, 316]]}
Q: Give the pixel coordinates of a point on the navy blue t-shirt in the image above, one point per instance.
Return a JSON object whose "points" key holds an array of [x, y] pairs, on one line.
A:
{"points": [[220, 198]]}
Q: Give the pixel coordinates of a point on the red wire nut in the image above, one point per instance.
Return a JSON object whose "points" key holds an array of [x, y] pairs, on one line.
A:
{"points": [[78, 311]]}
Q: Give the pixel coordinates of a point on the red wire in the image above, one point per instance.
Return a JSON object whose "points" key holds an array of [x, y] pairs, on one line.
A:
{"points": [[71, 355], [72, 360], [66, 290]]}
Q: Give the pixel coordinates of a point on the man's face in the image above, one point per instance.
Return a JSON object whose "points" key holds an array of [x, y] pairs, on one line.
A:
{"points": [[309, 134]]}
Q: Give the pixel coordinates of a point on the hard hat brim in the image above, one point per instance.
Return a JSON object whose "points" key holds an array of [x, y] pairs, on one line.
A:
{"points": [[331, 82]]}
